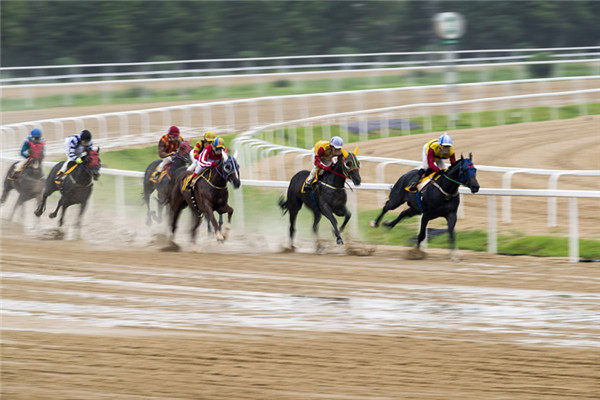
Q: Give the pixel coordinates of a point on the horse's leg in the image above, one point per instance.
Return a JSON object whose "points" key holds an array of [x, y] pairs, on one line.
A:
{"points": [[210, 214], [175, 211], [451, 218], [41, 205], [422, 231], [227, 209], [293, 215], [80, 218], [347, 214], [329, 215], [159, 210], [55, 212], [392, 203], [196, 219], [7, 188], [409, 212]]}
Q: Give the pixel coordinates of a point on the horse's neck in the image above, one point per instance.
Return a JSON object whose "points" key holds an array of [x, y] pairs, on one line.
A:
{"points": [[334, 179], [216, 176], [178, 162], [448, 180], [81, 176]]}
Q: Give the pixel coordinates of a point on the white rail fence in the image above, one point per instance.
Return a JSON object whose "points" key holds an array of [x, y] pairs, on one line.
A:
{"points": [[143, 126], [219, 68]]}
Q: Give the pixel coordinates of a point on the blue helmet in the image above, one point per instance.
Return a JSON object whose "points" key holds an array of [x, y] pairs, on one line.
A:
{"points": [[445, 139], [36, 133]]}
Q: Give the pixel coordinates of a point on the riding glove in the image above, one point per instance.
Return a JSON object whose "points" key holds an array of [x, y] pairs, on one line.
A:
{"points": [[78, 160]]}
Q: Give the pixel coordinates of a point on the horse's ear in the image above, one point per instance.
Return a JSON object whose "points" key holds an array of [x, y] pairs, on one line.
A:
{"points": [[471, 156], [356, 150], [235, 154], [461, 156]]}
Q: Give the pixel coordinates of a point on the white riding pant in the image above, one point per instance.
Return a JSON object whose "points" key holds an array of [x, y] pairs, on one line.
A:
{"points": [[313, 171], [164, 162]]}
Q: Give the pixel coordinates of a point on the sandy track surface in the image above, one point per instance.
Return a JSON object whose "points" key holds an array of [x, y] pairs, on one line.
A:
{"points": [[140, 323]]}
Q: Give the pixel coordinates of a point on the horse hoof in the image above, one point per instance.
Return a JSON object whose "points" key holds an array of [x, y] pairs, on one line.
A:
{"points": [[220, 237], [387, 224], [38, 213], [372, 224], [52, 215], [340, 241]]}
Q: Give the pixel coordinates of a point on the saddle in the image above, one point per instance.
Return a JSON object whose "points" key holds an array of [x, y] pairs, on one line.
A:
{"points": [[59, 179], [315, 180], [424, 182], [156, 179]]}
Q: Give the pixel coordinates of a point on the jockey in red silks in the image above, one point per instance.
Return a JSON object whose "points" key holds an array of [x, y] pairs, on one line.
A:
{"points": [[211, 156], [33, 147]]}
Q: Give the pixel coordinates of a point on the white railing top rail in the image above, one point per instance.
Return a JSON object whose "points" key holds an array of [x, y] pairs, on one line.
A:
{"points": [[299, 57], [250, 71]]}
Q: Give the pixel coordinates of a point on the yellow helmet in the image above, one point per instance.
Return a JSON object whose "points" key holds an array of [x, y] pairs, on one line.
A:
{"points": [[209, 137], [219, 143]]}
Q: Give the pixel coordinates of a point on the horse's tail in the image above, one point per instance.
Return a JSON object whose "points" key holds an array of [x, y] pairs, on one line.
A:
{"points": [[283, 204]]}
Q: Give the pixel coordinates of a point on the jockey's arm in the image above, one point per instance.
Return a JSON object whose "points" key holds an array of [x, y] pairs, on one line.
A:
{"points": [[204, 160], [318, 163], [162, 149], [25, 149], [431, 160]]}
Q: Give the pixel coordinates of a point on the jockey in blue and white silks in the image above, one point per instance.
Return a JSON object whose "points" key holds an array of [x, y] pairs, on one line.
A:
{"points": [[75, 146]]}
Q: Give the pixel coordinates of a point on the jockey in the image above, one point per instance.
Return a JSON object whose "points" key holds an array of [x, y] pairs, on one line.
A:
{"points": [[75, 146], [211, 156], [434, 153], [209, 138], [324, 153], [167, 146], [33, 146]]}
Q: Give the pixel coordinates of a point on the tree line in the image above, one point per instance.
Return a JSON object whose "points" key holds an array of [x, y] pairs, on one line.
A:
{"points": [[68, 32]]}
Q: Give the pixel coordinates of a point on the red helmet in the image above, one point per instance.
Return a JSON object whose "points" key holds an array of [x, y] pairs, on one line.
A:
{"points": [[173, 130]]}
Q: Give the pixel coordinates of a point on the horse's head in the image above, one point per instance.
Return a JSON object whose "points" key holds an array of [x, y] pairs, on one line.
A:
{"points": [[184, 152], [231, 170], [351, 167], [467, 173], [91, 162]]}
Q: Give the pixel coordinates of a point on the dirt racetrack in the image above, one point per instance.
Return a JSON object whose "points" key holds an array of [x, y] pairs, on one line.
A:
{"points": [[115, 323], [110, 319]]}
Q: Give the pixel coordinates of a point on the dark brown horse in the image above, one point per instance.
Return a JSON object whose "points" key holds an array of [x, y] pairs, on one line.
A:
{"points": [[180, 159], [208, 194], [328, 196], [76, 187], [29, 183]]}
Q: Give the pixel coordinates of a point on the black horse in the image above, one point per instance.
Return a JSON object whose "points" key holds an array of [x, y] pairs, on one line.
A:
{"points": [[29, 183], [76, 187], [437, 199], [326, 197], [180, 159], [208, 194]]}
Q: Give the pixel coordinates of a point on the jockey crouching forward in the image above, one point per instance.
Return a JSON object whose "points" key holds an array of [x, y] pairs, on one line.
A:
{"points": [[434, 153], [207, 140], [211, 156], [324, 153], [167, 146], [75, 147], [33, 147]]}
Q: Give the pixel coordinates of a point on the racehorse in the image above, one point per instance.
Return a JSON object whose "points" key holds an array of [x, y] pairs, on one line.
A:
{"points": [[76, 187], [29, 183], [180, 159], [326, 197], [437, 199], [207, 195]]}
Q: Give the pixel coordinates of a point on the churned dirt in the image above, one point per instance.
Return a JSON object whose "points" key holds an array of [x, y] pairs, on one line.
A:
{"points": [[113, 319]]}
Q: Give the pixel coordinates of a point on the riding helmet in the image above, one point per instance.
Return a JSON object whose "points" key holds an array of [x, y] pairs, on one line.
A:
{"points": [[219, 143], [174, 130], [86, 136], [336, 142], [445, 140], [36, 133], [209, 136]]}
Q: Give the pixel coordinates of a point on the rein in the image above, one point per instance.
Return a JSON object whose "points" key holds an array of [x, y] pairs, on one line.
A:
{"points": [[212, 184]]}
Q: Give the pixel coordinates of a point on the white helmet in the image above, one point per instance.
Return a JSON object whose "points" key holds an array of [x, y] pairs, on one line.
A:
{"points": [[445, 139], [336, 142]]}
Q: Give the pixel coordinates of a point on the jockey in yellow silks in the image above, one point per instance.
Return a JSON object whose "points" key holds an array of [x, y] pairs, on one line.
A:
{"points": [[324, 154], [434, 153]]}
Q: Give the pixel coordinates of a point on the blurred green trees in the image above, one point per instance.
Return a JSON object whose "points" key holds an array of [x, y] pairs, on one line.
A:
{"points": [[44, 32]]}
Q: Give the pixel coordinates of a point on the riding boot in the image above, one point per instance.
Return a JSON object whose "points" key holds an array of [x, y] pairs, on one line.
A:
{"points": [[413, 186], [189, 184], [307, 185]]}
